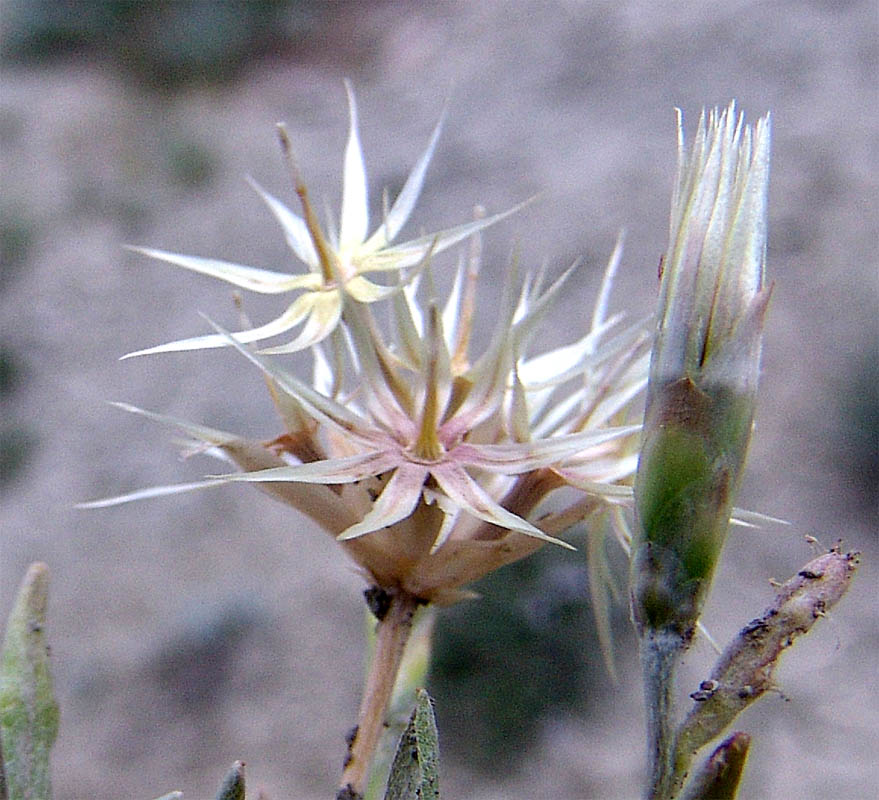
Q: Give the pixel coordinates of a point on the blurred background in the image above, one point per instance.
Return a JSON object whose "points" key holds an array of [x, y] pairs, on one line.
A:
{"points": [[188, 632]]}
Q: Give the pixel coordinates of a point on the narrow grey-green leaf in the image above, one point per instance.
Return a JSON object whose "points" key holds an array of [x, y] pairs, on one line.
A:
{"points": [[28, 710], [171, 796], [232, 787], [414, 773]]}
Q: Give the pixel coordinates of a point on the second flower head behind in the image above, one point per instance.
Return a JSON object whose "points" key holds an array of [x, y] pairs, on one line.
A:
{"points": [[337, 262]]}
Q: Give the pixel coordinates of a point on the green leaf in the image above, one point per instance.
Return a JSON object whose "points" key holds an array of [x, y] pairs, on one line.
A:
{"points": [[28, 709], [414, 773], [232, 787]]}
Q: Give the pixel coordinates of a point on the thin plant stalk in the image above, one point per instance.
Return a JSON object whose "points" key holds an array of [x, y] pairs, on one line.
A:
{"points": [[393, 631], [660, 652]]}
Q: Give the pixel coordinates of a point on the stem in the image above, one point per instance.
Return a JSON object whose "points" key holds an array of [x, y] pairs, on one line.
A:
{"points": [[392, 634], [659, 659]]}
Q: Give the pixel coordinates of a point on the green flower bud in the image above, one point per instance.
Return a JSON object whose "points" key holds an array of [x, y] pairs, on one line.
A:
{"points": [[703, 371]]}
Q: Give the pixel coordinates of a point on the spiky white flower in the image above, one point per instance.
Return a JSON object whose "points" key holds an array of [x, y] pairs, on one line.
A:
{"points": [[414, 436], [429, 466], [337, 264]]}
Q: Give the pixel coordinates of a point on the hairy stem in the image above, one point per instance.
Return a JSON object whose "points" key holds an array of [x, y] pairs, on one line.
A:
{"points": [[394, 628], [659, 658]]}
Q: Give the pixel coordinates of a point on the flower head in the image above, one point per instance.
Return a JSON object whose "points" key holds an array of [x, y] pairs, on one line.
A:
{"points": [[712, 297], [430, 465], [337, 263], [420, 432], [704, 368]]}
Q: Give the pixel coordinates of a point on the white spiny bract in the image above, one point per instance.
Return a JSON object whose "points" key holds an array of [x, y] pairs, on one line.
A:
{"points": [[427, 464]]}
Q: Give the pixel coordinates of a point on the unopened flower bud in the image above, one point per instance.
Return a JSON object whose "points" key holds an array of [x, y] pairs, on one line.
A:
{"points": [[704, 369]]}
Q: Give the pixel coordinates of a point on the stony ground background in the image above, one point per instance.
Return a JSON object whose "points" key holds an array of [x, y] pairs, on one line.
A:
{"points": [[570, 99]]}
